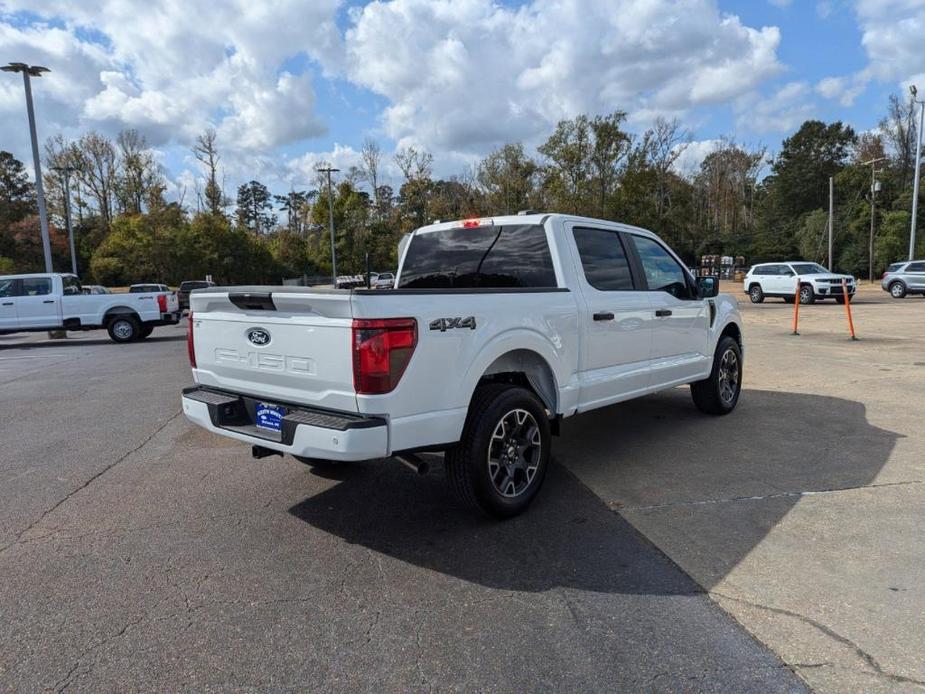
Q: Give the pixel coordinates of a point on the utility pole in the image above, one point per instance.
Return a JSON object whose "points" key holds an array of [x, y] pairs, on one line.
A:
{"points": [[27, 72], [328, 170], [918, 162], [831, 220], [874, 186], [66, 172]]}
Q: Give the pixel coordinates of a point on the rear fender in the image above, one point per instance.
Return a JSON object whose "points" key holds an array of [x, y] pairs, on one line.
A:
{"points": [[118, 311], [522, 351]]}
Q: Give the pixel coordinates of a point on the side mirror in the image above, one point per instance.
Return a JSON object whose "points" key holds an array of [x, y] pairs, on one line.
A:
{"points": [[707, 287]]}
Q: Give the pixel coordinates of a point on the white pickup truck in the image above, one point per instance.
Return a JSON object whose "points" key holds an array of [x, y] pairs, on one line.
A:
{"points": [[51, 301], [497, 329]]}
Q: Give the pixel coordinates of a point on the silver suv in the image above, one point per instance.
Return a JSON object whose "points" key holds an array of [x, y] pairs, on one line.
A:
{"points": [[904, 278]]}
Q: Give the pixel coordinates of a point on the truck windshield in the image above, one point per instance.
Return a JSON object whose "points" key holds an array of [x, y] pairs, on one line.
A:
{"points": [[513, 255]]}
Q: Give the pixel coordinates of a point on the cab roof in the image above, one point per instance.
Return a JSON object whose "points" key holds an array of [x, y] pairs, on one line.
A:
{"points": [[33, 275], [532, 218]]}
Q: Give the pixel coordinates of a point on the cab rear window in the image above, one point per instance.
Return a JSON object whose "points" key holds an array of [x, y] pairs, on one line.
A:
{"points": [[503, 256]]}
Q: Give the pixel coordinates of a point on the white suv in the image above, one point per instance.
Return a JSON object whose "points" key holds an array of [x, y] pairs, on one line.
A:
{"points": [[780, 279]]}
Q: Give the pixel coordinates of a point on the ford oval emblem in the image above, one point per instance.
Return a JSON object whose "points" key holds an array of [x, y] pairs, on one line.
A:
{"points": [[258, 336]]}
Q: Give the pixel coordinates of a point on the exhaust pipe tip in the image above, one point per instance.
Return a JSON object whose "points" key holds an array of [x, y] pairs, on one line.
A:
{"points": [[414, 463]]}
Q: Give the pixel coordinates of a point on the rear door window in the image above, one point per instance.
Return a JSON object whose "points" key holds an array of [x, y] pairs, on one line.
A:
{"points": [[35, 286], [504, 256], [603, 259], [916, 267], [71, 285]]}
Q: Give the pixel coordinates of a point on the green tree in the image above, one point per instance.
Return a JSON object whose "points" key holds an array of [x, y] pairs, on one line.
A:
{"points": [[292, 203], [17, 202], [806, 161], [611, 145], [568, 151], [17, 194], [255, 211], [508, 178]]}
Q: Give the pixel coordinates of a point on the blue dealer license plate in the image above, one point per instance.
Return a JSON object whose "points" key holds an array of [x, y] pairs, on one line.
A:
{"points": [[269, 416]]}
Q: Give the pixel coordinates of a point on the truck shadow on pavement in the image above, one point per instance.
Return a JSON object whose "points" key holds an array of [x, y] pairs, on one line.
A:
{"points": [[656, 455], [74, 342]]}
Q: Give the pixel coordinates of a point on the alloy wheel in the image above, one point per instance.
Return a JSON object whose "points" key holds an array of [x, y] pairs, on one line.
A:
{"points": [[728, 376], [514, 453]]}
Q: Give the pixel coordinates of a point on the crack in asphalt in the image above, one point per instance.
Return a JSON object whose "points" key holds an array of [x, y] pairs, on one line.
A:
{"points": [[61, 533], [871, 661], [775, 495], [90, 481]]}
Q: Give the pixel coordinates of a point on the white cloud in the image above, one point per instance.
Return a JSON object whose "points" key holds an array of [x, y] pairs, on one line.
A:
{"points": [[170, 69], [466, 75], [779, 112], [458, 76], [301, 170], [843, 89], [892, 33], [693, 155]]}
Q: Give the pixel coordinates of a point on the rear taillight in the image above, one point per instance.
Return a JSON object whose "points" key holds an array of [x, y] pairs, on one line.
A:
{"points": [[884, 275], [382, 349], [190, 345], [162, 302]]}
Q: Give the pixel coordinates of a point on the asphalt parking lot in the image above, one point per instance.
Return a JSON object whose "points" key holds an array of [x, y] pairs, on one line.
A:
{"points": [[777, 547]]}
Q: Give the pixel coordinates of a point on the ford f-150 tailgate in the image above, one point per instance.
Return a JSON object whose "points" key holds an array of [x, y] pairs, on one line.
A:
{"points": [[286, 345]]}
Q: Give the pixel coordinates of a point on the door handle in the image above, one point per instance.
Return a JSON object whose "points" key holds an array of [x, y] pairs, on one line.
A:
{"points": [[7, 303], [48, 301], [663, 312], [604, 315]]}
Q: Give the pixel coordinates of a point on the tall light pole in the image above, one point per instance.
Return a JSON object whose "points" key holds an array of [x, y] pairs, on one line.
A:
{"points": [[27, 72], [918, 162], [66, 172], [328, 170], [873, 215], [831, 222]]}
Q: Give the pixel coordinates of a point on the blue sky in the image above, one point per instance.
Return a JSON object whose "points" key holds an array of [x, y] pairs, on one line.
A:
{"points": [[290, 83]]}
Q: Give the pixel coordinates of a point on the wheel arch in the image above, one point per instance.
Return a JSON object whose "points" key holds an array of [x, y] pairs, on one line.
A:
{"points": [[118, 311], [733, 330], [527, 368]]}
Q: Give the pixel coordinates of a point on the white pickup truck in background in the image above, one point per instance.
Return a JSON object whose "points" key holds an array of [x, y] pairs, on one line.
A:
{"points": [[496, 329], [44, 301]]}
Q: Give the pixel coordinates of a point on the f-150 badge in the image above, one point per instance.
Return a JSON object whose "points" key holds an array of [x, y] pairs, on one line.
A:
{"points": [[444, 324]]}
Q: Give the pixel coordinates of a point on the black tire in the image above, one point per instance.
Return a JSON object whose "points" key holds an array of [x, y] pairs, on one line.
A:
{"points": [[788, 299], [807, 295], [145, 331], [840, 299], [711, 395], [505, 436], [898, 290], [123, 328], [756, 293]]}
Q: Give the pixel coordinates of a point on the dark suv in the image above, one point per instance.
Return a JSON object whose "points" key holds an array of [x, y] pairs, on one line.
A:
{"points": [[188, 286]]}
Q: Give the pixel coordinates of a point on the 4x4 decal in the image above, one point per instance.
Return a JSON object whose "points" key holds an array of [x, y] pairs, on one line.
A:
{"points": [[444, 324]]}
